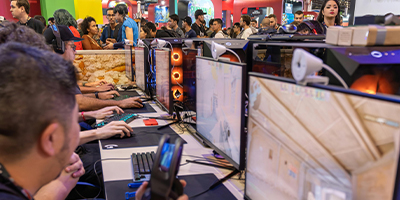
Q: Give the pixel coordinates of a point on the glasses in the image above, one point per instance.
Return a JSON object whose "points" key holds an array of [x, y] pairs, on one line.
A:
{"points": [[73, 46]]}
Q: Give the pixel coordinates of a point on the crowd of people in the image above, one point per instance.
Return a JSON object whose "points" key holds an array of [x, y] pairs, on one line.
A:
{"points": [[38, 84]]}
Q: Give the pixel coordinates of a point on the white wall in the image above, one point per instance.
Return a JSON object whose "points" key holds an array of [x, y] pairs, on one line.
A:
{"points": [[376, 7]]}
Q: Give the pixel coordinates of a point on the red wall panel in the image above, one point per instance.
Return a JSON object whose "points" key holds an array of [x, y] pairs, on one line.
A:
{"points": [[238, 5]]}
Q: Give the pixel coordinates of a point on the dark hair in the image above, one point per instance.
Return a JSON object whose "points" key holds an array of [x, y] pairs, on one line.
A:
{"points": [[272, 16], [12, 32], [296, 23], [38, 88], [237, 24], [40, 18], [211, 22], [174, 17], [145, 29], [299, 12], [51, 19], [151, 26], [219, 21], [121, 9], [86, 24], [143, 21], [246, 19], [320, 17], [253, 20], [63, 17], [110, 9], [23, 3]]}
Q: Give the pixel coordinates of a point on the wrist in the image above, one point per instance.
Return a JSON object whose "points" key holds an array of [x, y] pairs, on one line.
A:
{"points": [[96, 94], [89, 115]]}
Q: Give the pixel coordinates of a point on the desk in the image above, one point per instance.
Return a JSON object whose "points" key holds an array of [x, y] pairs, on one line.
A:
{"points": [[114, 170]]}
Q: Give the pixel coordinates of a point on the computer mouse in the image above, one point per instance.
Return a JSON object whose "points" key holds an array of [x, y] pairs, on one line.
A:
{"points": [[125, 136]]}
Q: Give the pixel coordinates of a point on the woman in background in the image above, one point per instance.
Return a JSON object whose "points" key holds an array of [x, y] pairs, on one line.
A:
{"points": [[89, 29], [329, 14], [63, 17]]}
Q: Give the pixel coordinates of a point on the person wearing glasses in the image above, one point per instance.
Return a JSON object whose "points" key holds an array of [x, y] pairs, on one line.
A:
{"points": [[110, 32]]}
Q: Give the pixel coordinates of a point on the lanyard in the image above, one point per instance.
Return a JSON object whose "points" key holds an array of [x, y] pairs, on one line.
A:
{"points": [[7, 180]]}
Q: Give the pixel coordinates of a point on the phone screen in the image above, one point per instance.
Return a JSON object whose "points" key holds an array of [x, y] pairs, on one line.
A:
{"points": [[166, 156]]}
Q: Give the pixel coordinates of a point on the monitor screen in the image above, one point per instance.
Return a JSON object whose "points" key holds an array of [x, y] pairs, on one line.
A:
{"points": [[220, 107], [319, 142], [139, 65], [189, 79], [163, 71]]}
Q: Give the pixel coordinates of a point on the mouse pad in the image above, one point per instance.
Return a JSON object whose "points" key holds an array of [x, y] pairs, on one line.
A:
{"points": [[129, 93], [144, 136], [195, 184], [147, 108]]}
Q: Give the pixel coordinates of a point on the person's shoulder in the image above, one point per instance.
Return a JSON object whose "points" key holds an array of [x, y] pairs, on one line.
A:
{"points": [[10, 196]]}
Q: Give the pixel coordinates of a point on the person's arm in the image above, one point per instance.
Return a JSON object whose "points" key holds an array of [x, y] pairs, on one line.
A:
{"points": [[90, 104], [99, 114], [86, 43], [103, 95], [91, 89], [129, 34]]}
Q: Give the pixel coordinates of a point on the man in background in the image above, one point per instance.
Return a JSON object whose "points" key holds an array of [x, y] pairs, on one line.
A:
{"points": [[299, 16], [218, 29], [186, 24], [253, 23], [173, 24], [245, 25], [110, 32], [20, 10], [273, 21], [198, 24]]}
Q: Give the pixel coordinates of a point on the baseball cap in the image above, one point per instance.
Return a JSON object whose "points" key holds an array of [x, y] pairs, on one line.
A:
{"points": [[188, 20], [65, 33], [199, 12]]}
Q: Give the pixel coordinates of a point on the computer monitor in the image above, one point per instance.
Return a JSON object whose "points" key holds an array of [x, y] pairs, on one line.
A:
{"points": [[238, 46], [319, 142], [163, 79], [129, 63], [220, 107], [142, 68], [189, 79]]}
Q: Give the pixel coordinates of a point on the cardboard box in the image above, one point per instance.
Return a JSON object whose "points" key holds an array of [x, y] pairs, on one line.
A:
{"points": [[345, 36], [332, 35], [376, 35]]}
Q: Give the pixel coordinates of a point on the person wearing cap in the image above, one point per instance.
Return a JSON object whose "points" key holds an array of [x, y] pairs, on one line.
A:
{"points": [[198, 24], [186, 23], [173, 24], [20, 10]]}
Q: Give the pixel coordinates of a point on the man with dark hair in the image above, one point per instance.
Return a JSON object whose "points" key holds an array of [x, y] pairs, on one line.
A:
{"points": [[154, 33], [143, 21], [273, 21], [173, 24], [253, 23], [198, 24], [247, 30], [299, 16], [110, 32], [211, 31], [20, 10], [186, 24], [218, 29], [235, 30], [33, 160]]}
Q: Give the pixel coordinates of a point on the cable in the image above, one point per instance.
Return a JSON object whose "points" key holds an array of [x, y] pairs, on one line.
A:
{"points": [[234, 54], [336, 75]]}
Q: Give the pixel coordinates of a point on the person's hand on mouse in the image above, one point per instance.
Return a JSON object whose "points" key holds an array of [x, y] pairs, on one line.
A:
{"points": [[143, 187], [108, 95], [133, 102], [114, 128], [96, 83], [102, 113]]}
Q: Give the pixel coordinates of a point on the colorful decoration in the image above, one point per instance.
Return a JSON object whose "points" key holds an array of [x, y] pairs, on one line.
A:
{"points": [[162, 14], [206, 5]]}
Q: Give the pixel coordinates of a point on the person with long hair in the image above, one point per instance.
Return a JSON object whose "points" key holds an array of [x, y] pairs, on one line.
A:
{"points": [[329, 14], [128, 31], [89, 28], [63, 17]]}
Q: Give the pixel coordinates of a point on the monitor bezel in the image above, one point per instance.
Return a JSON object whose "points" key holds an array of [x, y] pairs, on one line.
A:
{"points": [[170, 110], [382, 97], [243, 121], [146, 67]]}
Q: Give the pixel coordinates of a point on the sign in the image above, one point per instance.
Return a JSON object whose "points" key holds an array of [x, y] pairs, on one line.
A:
{"points": [[288, 8], [255, 13]]}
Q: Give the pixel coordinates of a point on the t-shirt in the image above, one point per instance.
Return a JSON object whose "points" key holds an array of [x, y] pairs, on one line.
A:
{"points": [[200, 30], [108, 33], [130, 23], [190, 34], [246, 33], [34, 24], [8, 189], [180, 32]]}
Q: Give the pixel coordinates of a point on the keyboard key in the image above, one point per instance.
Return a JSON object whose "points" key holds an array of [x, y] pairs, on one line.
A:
{"points": [[140, 161], [150, 160], [145, 164]]}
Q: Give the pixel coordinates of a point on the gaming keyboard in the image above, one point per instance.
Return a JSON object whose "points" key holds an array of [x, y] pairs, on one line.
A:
{"points": [[126, 117], [142, 164], [122, 97]]}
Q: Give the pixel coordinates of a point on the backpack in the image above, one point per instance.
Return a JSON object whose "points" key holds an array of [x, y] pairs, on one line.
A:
{"points": [[172, 34]]}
